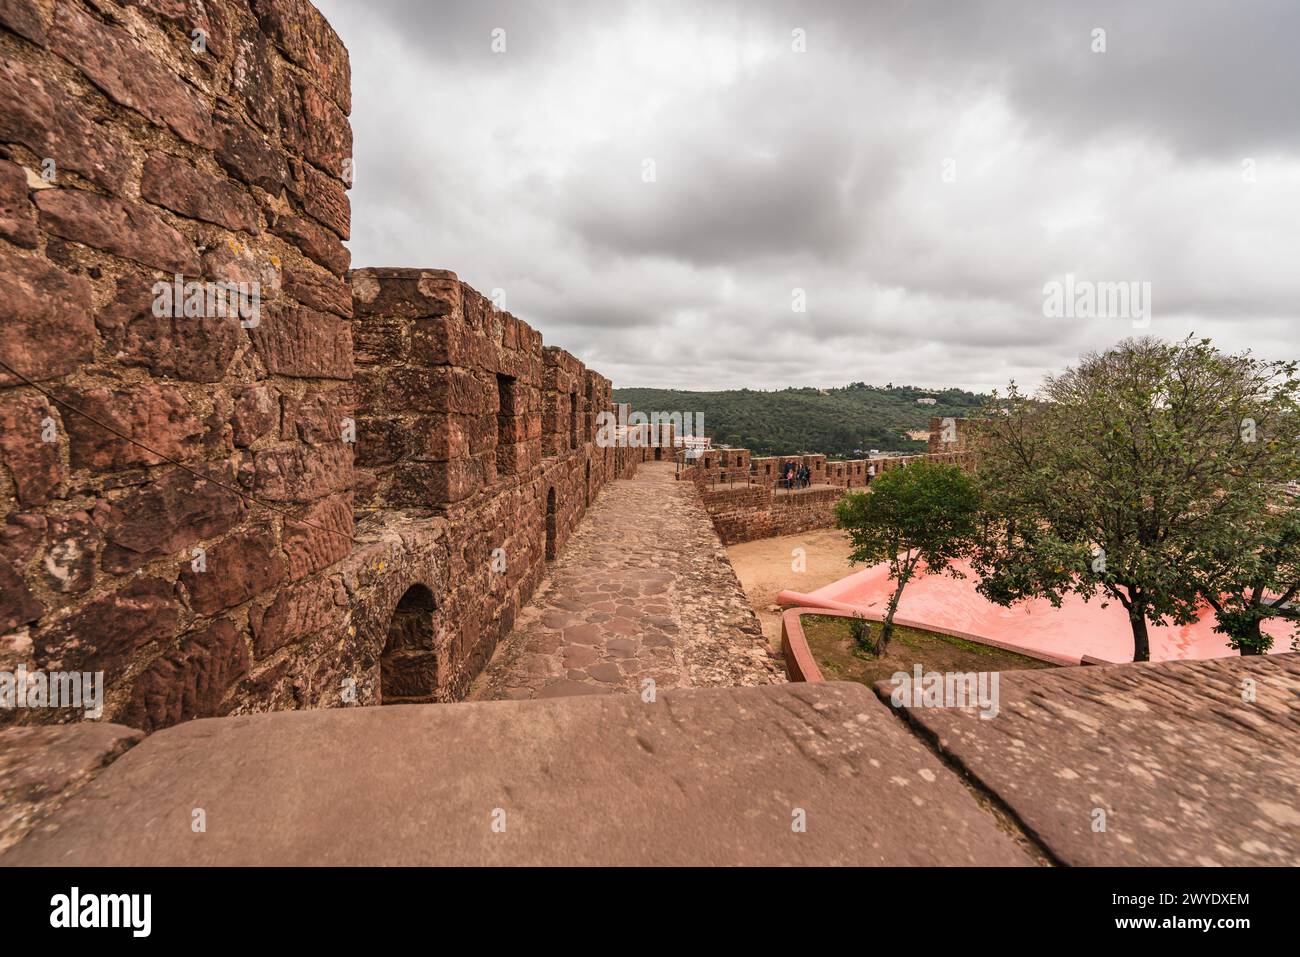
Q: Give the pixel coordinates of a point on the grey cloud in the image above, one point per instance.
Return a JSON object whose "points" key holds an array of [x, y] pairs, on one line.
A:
{"points": [[822, 171]]}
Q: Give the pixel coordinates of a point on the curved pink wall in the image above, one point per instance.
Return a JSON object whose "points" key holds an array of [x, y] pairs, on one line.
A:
{"points": [[1066, 635]]}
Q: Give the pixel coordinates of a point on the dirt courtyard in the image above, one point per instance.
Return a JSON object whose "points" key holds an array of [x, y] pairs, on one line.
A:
{"points": [[768, 566]]}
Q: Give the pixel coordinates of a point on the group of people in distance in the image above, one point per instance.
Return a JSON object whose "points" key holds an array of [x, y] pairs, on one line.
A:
{"points": [[796, 476]]}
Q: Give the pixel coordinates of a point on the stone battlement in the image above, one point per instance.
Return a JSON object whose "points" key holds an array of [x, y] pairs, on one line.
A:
{"points": [[342, 494], [747, 498]]}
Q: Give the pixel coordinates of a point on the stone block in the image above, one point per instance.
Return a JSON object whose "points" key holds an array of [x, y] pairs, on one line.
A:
{"points": [[191, 680], [117, 226], [46, 314]]}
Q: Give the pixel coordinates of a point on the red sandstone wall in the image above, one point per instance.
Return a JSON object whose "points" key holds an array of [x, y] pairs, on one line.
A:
{"points": [[466, 416], [746, 500], [227, 160], [747, 513], [222, 163]]}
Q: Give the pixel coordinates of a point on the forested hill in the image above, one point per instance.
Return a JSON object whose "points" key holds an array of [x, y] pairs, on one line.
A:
{"points": [[837, 422]]}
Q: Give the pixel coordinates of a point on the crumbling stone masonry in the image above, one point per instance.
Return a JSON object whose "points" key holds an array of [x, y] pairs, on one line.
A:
{"points": [[296, 507]]}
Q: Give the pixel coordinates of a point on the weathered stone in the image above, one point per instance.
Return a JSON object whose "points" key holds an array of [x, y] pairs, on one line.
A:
{"points": [[306, 37], [320, 245], [406, 293], [68, 209], [318, 289], [322, 197], [46, 317], [256, 413], [18, 606], [151, 415], [442, 389], [645, 785], [440, 341], [382, 440], [326, 540], [17, 217], [42, 767], [105, 634], [21, 535], [127, 73], [72, 553], [254, 79], [253, 266], [191, 15], [302, 473], [27, 18], [428, 484], [382, 342], [304, 343], [198, 349], [171, 182], [316, 419], [58, 128], [299, 611], [169, 515], [312, 126], [117, 226], [233, 571], [29, 444], [191, 681], [248, 154], [1157, 748]]}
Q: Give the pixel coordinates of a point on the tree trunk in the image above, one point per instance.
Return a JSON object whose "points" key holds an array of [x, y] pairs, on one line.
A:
{"points": [[1141, 641], [1252, 641], [887, 631]]}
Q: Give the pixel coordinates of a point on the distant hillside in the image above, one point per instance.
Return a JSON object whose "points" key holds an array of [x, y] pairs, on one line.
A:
{"points": [[791, 421]]}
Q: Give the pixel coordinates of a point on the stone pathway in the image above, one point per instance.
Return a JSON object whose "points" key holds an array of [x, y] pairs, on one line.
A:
{"points": [[643, 590]]}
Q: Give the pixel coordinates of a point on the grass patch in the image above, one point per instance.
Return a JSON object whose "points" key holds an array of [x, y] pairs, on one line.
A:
{"points": [[832, 644]]}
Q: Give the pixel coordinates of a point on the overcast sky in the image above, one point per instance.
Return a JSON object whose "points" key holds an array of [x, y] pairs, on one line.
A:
{"points": [[921, 170]]}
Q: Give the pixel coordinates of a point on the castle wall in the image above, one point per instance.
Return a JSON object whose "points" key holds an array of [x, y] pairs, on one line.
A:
{"points": [[134, 149], [468, 425], [303, 508], [745, 513], [747, 499]]}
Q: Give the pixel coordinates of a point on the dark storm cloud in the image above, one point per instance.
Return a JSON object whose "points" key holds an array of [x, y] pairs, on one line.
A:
{"points": [[917, 176]]}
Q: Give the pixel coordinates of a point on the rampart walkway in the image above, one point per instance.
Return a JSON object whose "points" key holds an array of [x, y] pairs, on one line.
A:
{"points": [[643, 590]]}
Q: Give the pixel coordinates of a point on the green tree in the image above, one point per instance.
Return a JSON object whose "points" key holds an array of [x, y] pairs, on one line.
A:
{"points": [[920, 519], [1121, 477], [1251, 574], [1250, 585]]}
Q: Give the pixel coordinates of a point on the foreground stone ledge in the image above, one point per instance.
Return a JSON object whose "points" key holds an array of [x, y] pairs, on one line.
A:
{"points": [[41, 767], [1185, 770], [703, 777]]}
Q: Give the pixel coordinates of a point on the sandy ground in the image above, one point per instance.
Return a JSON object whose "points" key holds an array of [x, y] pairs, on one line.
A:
{"points": [[767, 567]]}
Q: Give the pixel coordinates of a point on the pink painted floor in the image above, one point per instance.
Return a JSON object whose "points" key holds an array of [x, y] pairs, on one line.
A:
{"points": [[1064, 634]]}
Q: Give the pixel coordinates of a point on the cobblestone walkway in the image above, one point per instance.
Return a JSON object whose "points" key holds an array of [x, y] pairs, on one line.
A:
{"points": [[643, 589]]}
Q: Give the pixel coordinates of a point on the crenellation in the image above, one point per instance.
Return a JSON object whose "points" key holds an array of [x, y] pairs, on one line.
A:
{"points": [[748, 498], [354, 448]]}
